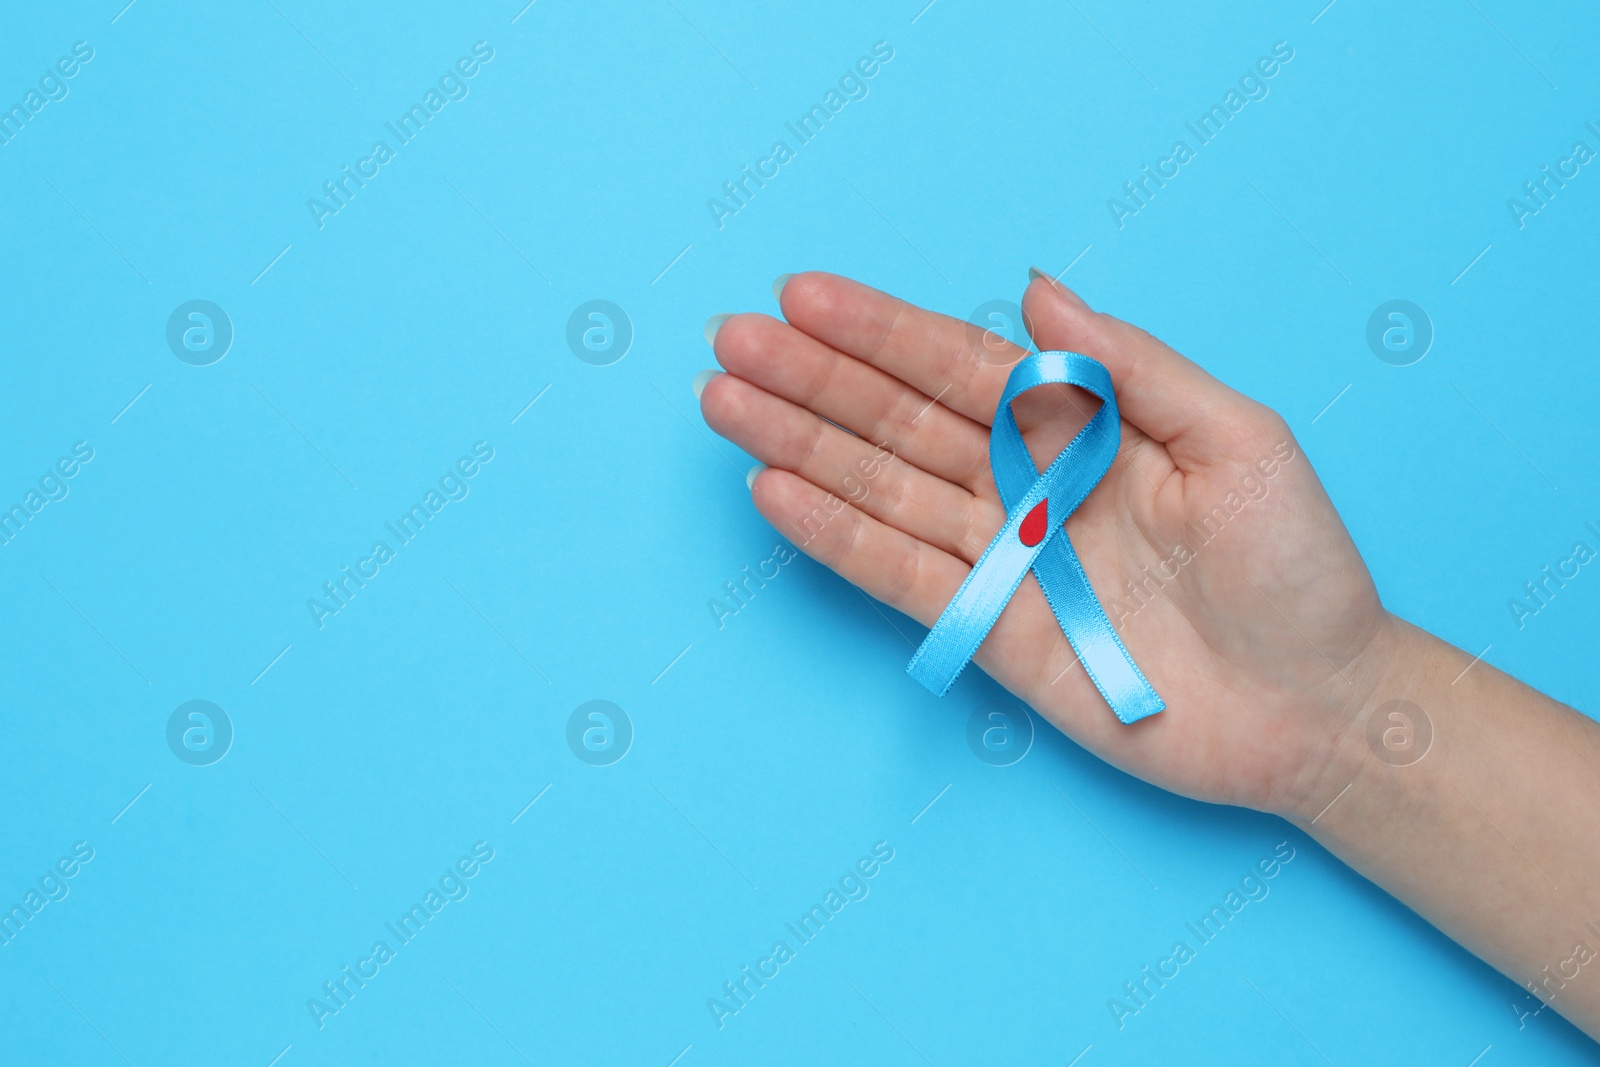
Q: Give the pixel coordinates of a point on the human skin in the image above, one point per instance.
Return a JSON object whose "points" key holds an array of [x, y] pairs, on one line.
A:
{"points": [[1269, 643]]}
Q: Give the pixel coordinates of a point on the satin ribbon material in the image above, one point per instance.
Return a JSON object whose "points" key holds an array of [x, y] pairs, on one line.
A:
{"points": [[1037, 504]]}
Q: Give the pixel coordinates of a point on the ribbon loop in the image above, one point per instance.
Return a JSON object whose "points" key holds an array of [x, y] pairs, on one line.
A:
{"points": [[1037, 503]]}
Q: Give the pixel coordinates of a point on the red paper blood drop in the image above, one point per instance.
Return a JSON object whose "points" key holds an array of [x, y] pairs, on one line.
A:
{"points": [[1033, 527]]}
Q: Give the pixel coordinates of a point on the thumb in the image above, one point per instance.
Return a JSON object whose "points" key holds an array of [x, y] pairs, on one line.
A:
{"points": [[1170, 398]]}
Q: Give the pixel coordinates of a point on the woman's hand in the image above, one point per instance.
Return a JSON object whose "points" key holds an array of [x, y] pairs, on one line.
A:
{"points": [[1229, 576], [1210, 541]]}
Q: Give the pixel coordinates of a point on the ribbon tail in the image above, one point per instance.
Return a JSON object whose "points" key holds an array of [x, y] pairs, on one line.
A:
{"points": [[1103, 655], [973, 611]]}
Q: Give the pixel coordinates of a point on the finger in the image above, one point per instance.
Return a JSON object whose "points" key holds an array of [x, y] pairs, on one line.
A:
{"points": [[787, 436], [935, 354], [880, 408], [909, 575], [1170, 398], [1024, 650]]}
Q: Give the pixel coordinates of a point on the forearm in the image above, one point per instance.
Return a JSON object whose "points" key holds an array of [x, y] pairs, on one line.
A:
{"points": [[1493, 834]]}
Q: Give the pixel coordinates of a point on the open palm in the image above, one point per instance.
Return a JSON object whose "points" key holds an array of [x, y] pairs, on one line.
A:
{"points": [[1210, 541]]}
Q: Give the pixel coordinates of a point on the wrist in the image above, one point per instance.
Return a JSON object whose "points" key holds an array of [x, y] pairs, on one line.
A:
{"points": [[1377, 726]]}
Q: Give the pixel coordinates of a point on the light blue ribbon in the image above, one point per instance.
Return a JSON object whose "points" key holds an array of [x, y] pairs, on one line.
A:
{"points": [[1037, 504]]}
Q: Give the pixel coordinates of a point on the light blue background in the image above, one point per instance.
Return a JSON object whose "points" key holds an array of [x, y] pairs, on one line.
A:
{"points": [[778, 749]]}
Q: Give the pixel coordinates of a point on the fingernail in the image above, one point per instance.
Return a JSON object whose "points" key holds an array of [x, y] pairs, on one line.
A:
{"points": [[702, 380], [750, 479], [777, 286], [1056, 285], [713, 324]]}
